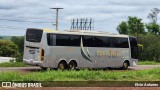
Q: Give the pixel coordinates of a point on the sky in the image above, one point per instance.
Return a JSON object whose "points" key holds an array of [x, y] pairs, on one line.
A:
{"points": [[18, 15]]}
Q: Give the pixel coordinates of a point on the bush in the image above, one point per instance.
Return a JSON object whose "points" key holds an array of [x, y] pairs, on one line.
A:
{"points": [[8, 49], [151, 45], [19, 41], [19, 58]]}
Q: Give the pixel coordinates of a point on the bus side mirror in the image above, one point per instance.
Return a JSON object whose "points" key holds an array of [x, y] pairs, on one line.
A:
{"points": [[140, 48]]}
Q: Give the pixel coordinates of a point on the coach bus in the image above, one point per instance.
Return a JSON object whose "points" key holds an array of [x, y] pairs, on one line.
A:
{"points": [[79, 49]]}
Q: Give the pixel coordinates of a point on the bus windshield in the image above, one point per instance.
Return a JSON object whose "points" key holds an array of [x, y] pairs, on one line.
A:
{"points": [[34, 35], [134, 47]]}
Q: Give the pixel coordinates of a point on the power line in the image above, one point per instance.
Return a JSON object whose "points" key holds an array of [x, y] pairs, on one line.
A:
{"points": [[40, 18], [20, 17], [11, 27], [22, 21]]}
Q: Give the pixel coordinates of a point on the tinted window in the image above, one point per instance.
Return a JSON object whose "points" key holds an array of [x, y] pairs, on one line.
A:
{"points": [[51, 39], [67, 40], [74, 40], [120, 42], [34, 35], [133, 41], [88, 41], [102, 41], [99, 41], [134, 48], [62, 40]]}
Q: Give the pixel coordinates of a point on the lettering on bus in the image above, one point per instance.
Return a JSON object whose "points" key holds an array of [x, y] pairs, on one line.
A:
{"points": [[106, 53], [32, 44]]}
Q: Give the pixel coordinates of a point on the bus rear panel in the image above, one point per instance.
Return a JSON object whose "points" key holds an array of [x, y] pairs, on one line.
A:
{"points": [[32, 48]]}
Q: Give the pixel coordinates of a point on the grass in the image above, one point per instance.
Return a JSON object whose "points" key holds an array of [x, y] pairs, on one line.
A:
{"points": [[13, 64], [148, 63], [83, 75], [21, 64]]}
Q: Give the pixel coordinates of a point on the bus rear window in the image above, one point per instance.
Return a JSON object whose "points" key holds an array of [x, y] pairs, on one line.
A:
{"points": [[34, 35]]}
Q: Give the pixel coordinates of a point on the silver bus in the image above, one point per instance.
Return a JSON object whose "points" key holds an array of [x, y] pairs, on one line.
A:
{"points": [[79, 49]]}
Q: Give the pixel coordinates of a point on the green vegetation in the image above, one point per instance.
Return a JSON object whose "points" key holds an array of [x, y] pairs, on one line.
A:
{"points": [[21, 64], [149, 38], [148, 63], [151, 45], [13, 64], [19, 41], [83, 75], [12, 47], [132, 26], [8, 48]]}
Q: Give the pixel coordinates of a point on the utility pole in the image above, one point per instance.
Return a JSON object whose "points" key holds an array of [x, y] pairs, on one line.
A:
{"points": [[57, 9]]}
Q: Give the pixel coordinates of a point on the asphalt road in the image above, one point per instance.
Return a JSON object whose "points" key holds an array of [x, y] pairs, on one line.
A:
{"points": [[34, 69]]}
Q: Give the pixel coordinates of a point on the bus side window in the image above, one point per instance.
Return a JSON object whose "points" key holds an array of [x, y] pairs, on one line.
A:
{"points": [[51, 39], [101, 41], [88, 41], [120, 43]]}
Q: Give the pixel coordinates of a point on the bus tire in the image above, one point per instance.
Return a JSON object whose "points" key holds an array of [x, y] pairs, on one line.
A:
{"points": [[72, 65], [125, 65], [62, 65]]}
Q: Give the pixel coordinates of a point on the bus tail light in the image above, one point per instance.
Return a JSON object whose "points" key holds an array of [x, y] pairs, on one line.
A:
{"points": [[41, 54]]}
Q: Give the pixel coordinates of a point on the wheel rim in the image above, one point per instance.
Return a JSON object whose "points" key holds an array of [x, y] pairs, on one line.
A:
{"points": [[61, 66], [72, 66], [125, 65]]}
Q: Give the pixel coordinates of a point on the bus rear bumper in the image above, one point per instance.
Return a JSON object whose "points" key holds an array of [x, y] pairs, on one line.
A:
{"points": [[32, 62]]}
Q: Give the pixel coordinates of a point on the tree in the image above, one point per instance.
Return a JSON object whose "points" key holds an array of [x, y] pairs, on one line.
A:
{"points": [[122, 28], [135, 25], [19, 41], [153, 15], [151, 45], [153, 28], [8, 49]]}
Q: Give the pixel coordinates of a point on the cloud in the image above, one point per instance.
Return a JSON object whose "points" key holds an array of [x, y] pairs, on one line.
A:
{"points": [[107, 13]]}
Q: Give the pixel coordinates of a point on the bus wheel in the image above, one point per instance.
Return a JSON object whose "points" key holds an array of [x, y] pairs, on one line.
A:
{"points": [[62, 65], [72, 65], [125, 65]]}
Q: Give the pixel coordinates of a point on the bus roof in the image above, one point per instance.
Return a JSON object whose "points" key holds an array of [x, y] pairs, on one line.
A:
{"points": [[84, 32]]}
